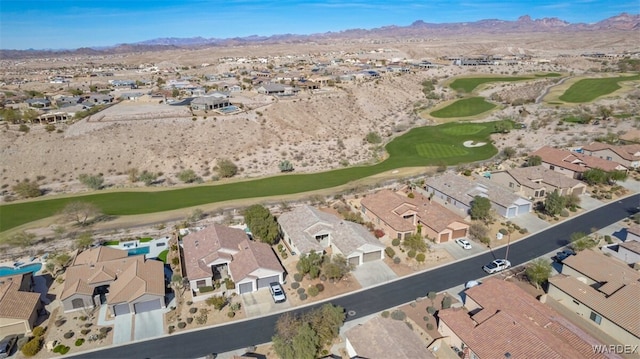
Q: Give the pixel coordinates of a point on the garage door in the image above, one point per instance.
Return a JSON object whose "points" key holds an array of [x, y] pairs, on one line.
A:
{"points": [[245, 288], [264, 282], [459, 233], [371, 256], [444, 237], [16, 328], [354, 261], [120, 309], [511, 212], [524, 208], [147, 306]]}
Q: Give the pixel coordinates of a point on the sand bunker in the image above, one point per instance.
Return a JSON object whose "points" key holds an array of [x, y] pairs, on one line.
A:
{"points": [[473, 144]]}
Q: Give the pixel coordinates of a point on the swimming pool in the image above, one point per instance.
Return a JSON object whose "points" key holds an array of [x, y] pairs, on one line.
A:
{"points": [[33, 267], [139, 250]]}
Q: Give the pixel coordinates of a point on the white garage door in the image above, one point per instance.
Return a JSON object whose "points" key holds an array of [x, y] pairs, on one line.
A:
{"points": [[511, 212], [147, 306], [245, 288], [120, 309], [264, 282], [524, 208], [371, 256], [355, 261]]}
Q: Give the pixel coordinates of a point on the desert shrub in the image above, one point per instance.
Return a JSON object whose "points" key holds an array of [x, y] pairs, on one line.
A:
{"points": [[396, 260], [60, 322], [189, 320], [467, 173], [425, 318], [171, 329], [193, 310], [217, 301], [385, 314], [432, 295], [79, 342], [446, 302], [398, 315], [411, 253], [378, 233], [64, 350], [323, 277], [82, 318], [608, 239], [303, 296], [420, 257], [182, 325], [313, 291], [390, 252], [85, 331], [320, 287], [69, 334], [297, 277], [429, 326], [57, 348], [229, 284], [38, 331], [295, 285], [231, 314], [431, 310], [564, 213], [300, 290], [21, 342], [189, 302], [205, 289], [503, 231], [395, 242], [523, 230], [105, 330], [32, 347]]}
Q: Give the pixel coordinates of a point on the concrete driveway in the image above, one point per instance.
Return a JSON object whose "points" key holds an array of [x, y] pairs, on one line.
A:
{"points": [[458, 252], [122, 328], [261, 303], [149, 324], [531, 222], [587, 202], [371, 273]]}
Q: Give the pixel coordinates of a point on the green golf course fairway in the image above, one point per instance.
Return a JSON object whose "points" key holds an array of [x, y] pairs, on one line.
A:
{"points": [[587, 90], [464, 108], [423, 146]]}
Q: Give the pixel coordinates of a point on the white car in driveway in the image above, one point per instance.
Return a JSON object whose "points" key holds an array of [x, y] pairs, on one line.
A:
{"points": [[276, 292], [496, 266], [463, 243]]}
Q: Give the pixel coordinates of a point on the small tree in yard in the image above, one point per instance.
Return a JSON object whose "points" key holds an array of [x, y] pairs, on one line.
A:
{"points": [[554, 203], [478, 231], [533, 161], [509, 152], [415, 242], [581, 241], [480, 208], [148, 178], [337, 267], [188, 176], [538, 271], [262, 224], [285, 166], [310, 264], [217, 301], [84, 240]]}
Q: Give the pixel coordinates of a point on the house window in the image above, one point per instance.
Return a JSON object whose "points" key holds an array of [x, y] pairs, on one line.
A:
{"points": [[160, 244], [609, 158], [511, 184], [576, 302], [399, 235], [595, 317], [552, 167], [542, 193], [201, 283]]}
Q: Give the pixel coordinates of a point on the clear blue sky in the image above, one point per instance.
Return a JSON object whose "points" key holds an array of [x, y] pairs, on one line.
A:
{"points": [[58, 24]]}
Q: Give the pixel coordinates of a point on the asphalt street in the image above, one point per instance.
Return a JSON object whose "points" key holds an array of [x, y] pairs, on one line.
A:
{"points": [[243, 334]]}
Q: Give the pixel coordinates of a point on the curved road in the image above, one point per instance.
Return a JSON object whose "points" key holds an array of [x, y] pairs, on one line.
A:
{"points": [[242, 334]]}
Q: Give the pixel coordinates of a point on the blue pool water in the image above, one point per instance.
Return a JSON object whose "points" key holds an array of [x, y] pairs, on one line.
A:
{"points": [[34, 267], [139, 250]]}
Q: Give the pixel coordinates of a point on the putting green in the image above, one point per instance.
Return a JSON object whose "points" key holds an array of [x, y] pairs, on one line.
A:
{"points": [[587, 90], [439, 150], [469, 129], [465, 107]]}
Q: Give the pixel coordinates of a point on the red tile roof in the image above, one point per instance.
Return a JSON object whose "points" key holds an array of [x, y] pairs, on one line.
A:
{"points": [[574, 161], [514, 322], [207, 245], [14, 302]]}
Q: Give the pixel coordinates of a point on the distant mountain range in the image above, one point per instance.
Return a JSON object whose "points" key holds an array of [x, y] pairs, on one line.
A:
{"points": [[524, 24]]}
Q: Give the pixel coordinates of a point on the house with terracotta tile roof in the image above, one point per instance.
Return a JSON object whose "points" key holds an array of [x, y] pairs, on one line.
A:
{"points": [[399, 216], [217, 252], [104, 275], [536, 182], [573, 164], [626, 155], [500, 320], [19, 305], [385, 338], [604, 291], [628, 251], [306, 229], [458, 192]]}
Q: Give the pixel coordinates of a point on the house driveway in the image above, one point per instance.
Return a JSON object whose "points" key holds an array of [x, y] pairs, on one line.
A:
{"points": [[261, 303], [371, 273], [531, 222], [122, 328], [149, 324], [458, 252], [630, 184], [587, 202]]}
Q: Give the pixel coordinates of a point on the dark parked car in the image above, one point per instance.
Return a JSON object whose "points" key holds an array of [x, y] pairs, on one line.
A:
{"points": [[564, 254], [6, 346]]}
